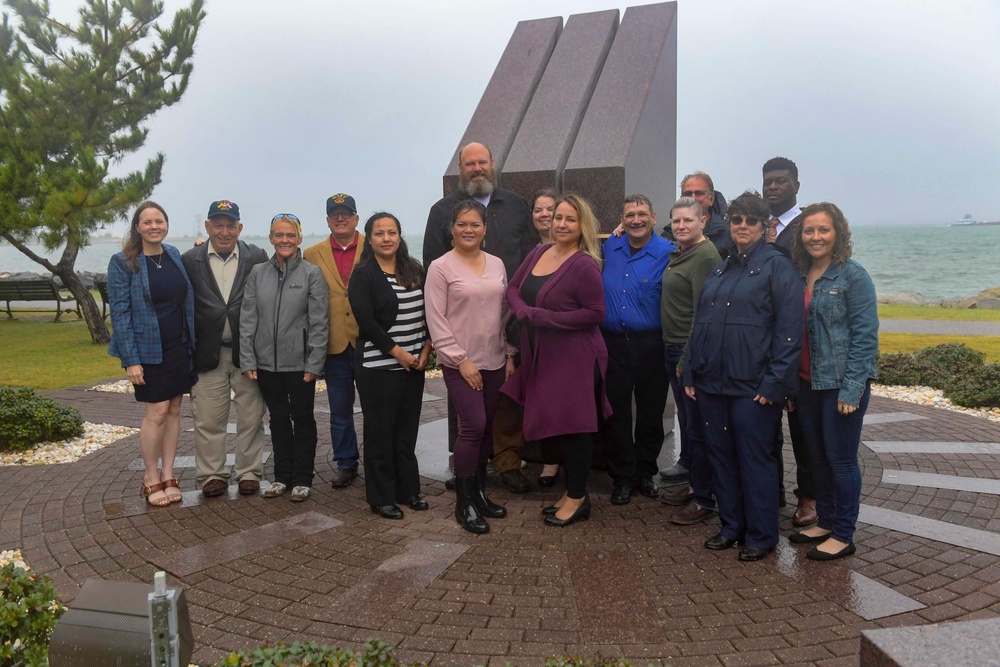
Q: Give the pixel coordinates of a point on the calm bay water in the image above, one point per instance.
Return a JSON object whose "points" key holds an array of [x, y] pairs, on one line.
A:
{"points": [[940, 262]]}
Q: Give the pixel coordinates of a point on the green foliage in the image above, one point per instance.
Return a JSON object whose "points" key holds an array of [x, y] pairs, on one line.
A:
{"points": [[576, 661], [374, 653], [29, 610], [27, 418], [74, 99], [976, 388], [905, 370], [953, 358]]}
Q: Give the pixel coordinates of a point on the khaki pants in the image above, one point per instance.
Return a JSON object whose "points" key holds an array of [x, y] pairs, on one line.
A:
{"points": [[210, 405]]}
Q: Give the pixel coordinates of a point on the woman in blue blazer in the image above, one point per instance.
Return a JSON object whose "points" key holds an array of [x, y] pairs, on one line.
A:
{"points": [[152, 312]]}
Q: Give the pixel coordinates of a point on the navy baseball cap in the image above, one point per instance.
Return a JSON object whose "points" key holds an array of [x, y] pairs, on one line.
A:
{"points": [[340, 199], [224, 207]]}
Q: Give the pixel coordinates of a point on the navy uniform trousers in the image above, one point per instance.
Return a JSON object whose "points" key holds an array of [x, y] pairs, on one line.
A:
{"points": [[739, 433]]}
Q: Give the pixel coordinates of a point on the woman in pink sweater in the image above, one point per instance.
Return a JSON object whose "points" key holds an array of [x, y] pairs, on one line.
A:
{"points": [[464, 301]]}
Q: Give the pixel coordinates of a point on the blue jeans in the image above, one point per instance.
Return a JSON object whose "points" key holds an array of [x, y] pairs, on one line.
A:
{"points": [[339, 375], [694, 455], [833, 440]]}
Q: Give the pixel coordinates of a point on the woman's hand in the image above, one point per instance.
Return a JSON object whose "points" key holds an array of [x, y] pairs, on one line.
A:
{"points": [[134, 373], [619, 230], [845, 408], [309, 377], [471, 375], [251, 374], [404, 358], [763, 400], [509, 368], [690, 393], [425, 356]]}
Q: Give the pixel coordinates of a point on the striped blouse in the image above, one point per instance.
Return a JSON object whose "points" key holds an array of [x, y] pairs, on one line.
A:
{"points": [[409, 331]]}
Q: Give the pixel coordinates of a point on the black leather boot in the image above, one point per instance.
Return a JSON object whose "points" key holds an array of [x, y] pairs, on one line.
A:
{"points": [[483, 504], [466, 513]]}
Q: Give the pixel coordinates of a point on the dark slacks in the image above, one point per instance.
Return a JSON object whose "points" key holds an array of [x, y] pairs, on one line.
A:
{"points": [[475, 417], [577, 450], [390, 401], [339, 374], [290, 401], [635, 367], [740, 433], [692, 433], [834, 440], [801, 449]]}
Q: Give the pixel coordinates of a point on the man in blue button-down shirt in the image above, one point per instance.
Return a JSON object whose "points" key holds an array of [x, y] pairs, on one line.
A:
{"points": [[633, 268]]}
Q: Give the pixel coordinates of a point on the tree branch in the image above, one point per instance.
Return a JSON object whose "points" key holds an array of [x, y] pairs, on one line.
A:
{"points": [[25, 250]]}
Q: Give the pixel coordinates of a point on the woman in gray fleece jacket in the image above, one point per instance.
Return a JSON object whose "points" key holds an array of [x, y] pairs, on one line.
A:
{"points": [[284, 324]]}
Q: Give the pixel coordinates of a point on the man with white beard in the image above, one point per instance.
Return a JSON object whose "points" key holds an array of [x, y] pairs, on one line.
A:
{"points": [[510, 235]]}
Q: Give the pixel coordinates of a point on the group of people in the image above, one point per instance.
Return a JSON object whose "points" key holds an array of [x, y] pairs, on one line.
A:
{"points": [[544, 335]]}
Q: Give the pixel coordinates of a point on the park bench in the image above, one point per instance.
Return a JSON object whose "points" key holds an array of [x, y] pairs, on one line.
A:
{"points": [[102, 286], [36, 289]]}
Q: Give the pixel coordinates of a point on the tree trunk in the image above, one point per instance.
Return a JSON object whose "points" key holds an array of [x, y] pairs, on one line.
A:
{"points": [[88, 307]]}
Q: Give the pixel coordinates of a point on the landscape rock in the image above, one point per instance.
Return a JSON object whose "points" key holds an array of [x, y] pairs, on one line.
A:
{"points": [[904, 298], [989, 303]]}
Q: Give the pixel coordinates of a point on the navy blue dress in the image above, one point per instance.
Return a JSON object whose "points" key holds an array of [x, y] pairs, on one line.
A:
{"points": [[175, 375]]}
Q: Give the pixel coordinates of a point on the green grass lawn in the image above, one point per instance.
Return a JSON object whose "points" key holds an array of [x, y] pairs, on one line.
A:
{"points": [[900, 312], [902, 342], [42, 354]]}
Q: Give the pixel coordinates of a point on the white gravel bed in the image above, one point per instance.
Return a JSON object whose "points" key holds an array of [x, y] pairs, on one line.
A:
{"points": [[94, 438], [14, 556], [931, 397]]}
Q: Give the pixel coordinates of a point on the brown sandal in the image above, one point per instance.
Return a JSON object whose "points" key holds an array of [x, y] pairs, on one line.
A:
{"points": [[172, 483], [148, 490]]}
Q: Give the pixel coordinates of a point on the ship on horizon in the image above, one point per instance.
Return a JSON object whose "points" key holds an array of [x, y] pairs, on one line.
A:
{"points": [[967, 221]]}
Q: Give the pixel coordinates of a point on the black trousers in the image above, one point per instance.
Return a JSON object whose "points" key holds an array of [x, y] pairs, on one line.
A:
{"points": [[803, 458], [290, 401], [635, 367], [390, 401], [577, 450]]}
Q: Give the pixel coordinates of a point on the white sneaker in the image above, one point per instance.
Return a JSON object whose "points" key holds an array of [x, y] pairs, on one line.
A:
{"points": [[300, 493], [276, 489]]}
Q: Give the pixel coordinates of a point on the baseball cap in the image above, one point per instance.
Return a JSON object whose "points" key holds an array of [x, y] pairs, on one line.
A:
{"points": [[224, 207], [340, 199]]}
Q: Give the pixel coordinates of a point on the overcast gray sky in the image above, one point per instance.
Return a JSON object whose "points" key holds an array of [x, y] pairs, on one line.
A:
{"points": [[889, 107]]}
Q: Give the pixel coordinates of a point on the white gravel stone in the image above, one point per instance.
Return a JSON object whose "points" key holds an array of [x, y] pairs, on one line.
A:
{"points": [[933, 398], [14, 556], [94, 438]]}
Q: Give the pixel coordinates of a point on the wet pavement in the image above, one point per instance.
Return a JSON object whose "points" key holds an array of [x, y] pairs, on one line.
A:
{"points": [[625, 583]]}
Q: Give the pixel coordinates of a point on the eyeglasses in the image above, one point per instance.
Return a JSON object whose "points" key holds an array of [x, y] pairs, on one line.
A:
{"points": [[737, 220], [282, 216], [340, 215], [696, 193]]}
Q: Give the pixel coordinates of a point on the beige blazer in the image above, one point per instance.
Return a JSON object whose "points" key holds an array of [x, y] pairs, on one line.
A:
{"points": [[343, 327]]}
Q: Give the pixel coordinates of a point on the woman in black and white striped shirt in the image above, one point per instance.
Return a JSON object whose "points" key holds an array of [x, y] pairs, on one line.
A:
{"points": [[386, 294]]}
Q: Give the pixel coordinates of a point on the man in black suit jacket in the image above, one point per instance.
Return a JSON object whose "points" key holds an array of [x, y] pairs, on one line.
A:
{"points": [[218, 271], [781, 189]]}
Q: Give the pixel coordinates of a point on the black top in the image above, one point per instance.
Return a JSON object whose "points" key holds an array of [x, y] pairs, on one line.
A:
{"points": [[167, 289], [530, 288]]}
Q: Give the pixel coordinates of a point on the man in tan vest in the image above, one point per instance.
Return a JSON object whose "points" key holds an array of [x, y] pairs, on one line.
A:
{"points": [[337, 257]]}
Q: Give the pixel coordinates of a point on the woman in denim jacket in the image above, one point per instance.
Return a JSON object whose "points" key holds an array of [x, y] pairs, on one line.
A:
{"points": [[838, 363]]}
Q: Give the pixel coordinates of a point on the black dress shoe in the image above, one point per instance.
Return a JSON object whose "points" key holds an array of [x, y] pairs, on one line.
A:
{"points": [[816, 554], [416, 503], [719, 543], [450, 483], [621, 494], [546, 480], [802, 538], [582, 513], [515, 481], [754, 553], [387, 511], [550, 510], [343, 477], [648, 488]]}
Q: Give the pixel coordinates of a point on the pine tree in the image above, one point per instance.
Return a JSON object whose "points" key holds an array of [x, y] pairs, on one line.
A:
{"points": [[74, 100]]}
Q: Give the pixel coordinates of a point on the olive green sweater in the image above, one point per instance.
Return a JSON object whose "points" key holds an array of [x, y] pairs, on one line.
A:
{"points": [[682, 282]]}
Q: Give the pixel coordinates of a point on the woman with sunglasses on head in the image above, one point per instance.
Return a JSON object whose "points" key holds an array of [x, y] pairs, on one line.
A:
{"points": [[284, 325], [152, 318], [386, 294], [740, 366], [836, 369]]}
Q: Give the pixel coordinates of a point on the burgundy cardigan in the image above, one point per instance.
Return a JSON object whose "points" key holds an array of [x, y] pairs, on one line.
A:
{"points": [[555, 382]]}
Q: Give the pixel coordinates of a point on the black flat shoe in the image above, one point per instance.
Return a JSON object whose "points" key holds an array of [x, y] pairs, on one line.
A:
{"points": [[550, 510], [342, 477], [416, 503], [582, 513], [816, 554], [754, 553], [719, 543], [802, 538], [544, 480], [387, 511]]}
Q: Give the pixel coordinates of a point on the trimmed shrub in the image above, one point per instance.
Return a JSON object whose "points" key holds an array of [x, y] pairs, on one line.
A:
{"points": [[374, 653], [29, 610], [27, 418], [978, 387], [904, 369], [955, 359]]}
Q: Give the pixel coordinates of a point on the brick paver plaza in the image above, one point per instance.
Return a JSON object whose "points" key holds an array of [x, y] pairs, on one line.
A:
{"points": [[625, 583]]}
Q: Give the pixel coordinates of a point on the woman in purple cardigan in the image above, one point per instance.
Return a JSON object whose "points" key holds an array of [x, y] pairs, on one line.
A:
{"points": [[558, 296]]}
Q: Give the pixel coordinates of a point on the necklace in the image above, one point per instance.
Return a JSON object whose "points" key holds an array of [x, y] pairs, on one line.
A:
{"points": [[157, 264]]}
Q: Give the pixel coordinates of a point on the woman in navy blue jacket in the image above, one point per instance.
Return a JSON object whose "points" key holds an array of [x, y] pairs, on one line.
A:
{"points": [[152, 315], [740, 366], [836, 368]]}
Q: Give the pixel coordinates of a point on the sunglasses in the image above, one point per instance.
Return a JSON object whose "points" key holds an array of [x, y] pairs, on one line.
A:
{"points": [[737, 220], [282, 216], [695, 193]]}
